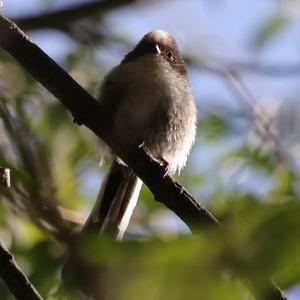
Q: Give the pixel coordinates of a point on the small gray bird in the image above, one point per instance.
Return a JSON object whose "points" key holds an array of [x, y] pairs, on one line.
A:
{"points": [[150, 102]]}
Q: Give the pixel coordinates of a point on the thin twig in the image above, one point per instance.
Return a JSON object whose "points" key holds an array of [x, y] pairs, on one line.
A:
{"points": [[74, 217], [231, 66], [272, 70], [236, 84], [40, 189]]}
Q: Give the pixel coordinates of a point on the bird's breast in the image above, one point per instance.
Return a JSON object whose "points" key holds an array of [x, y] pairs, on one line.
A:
{"points": [[158, 110]]}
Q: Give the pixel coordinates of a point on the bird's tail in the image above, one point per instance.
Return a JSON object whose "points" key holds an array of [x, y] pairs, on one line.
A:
{"points": [[111, 214], [116, 200]]}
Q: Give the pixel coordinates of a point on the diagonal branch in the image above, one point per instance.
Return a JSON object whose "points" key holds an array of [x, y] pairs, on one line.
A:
{"points": [[65, 16], [86, 110], [16, 281]]}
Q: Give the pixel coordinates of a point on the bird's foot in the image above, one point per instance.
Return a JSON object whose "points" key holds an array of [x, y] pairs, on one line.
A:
{"points": [[164, 164]]}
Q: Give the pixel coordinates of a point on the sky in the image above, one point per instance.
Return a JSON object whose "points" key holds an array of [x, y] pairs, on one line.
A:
{"points": [[221, 29], [207, 30]]}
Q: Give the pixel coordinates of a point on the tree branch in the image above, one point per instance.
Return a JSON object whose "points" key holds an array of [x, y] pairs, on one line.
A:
{"points": [[86, 110], [16, 281], [65, 16]]}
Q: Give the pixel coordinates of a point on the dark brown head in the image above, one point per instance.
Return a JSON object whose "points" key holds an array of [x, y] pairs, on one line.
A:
{"points": [[161, 43]]}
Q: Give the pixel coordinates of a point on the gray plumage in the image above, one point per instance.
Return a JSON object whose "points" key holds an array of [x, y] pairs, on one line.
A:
{"points": [[150, 102]]}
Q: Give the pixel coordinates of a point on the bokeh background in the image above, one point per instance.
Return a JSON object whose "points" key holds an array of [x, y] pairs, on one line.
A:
{"points": [[244, 68]]}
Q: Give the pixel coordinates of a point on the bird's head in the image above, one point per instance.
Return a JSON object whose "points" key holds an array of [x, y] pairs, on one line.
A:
{"points": [[158, 45]]}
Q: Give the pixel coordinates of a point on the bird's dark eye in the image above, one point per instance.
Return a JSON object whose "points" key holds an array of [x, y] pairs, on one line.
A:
{"points": [[170, 55]]}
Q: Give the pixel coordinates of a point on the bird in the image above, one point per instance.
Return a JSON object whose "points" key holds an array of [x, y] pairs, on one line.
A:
{"points": [[150, 102]]}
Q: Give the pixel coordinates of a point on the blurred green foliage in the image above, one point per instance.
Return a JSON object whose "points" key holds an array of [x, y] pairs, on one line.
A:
{"points": [[55, 178], [270, 29]]}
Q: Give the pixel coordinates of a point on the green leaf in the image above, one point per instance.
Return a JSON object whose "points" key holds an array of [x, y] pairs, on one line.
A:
{"points": [[213, 127], [269, 29]]}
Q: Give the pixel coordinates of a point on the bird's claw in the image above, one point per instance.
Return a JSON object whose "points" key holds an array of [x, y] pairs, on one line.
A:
{"points": [[160, 160], [164, 164]]}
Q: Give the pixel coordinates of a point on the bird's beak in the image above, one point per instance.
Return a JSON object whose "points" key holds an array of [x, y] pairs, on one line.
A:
{"points": [[157, 49]]}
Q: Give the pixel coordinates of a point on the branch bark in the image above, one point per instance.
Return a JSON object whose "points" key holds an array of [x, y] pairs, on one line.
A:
{"points": [[86, 110], [17, 282], [14, 278]]}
